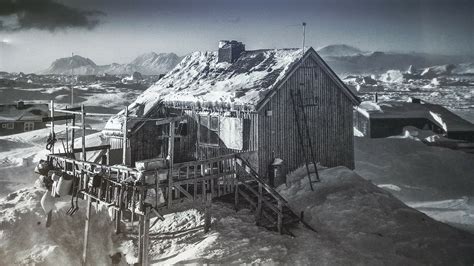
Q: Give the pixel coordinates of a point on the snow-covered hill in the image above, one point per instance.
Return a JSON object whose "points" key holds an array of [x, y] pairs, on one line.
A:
{"points": [[339, 50], [76, 65], [148, 64], [380, 62]]}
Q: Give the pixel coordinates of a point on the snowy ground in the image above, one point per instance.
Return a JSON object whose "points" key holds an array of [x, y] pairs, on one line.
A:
{"points": [[357, 223], [435, 180]]}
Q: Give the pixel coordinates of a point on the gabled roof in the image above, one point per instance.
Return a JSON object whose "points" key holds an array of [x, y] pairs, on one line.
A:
{"points": [[28, 112], [245, 84]]}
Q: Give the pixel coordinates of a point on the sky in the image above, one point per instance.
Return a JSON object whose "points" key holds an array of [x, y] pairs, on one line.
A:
{"points": [[33, 33]]}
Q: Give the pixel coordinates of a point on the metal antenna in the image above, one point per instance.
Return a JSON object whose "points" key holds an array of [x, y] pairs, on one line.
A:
{"points": [[304, 34]]}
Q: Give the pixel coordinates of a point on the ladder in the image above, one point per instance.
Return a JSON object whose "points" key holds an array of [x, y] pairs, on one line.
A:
{"points": [[297, 102]]}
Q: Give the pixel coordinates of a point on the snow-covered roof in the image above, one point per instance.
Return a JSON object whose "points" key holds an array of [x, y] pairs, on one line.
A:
{"points": [[439, 115], [200, 78], [27, 112]]}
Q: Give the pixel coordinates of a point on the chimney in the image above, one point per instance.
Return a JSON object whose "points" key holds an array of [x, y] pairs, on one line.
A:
{"points": [[20, 105], [229, 51]]}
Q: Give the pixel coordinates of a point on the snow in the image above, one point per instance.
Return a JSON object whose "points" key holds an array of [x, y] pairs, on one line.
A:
{"points": [[425, 175], [356, 223], [439, 115], [392, 76], [200, 78]]}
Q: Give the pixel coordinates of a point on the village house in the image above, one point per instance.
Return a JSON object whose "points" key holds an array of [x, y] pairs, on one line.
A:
{"points": [[21, 117], [275, 106], [384, 119]]}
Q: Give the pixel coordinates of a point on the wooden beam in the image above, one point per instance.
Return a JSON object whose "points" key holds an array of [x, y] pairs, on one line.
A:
{"points": [[93, 148], [57, 118], [70, 111], [84, 158], [124, 140], [86, 231], [182, 190], [171, 161], [146, 236]]}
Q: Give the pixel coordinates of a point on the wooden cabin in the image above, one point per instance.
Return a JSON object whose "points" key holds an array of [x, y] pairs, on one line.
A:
{"points": [[22, 117], [240, 101]]}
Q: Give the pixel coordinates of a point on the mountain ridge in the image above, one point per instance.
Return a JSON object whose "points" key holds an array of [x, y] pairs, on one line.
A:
{"points": [[150, 63]]}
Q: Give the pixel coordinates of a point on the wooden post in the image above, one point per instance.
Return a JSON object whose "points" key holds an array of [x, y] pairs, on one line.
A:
{"points": [[73, 135], [146, 233], [198, 136], [118, 213], [280, 217], [140, 239], [52, 123], [171, 161], [124, 140], [236, 187], [84, 158], [259, 204], [86, 231], [207, 213]]}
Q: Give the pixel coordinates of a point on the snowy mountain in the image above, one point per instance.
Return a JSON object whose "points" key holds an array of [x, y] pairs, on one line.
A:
{"points": [[156, 63], [339, 50], [76, 65], [148, 64], [345, 59]]}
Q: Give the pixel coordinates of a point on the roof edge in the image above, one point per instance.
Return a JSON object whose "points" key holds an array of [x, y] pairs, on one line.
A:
{"points": [[311, 52]]}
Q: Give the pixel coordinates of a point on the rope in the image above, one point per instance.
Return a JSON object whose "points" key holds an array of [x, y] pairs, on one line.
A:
{"points": [[50, 142]]}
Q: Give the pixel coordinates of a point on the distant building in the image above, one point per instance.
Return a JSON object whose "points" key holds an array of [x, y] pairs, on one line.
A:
{"points": [[384, 119], [21, 117]]}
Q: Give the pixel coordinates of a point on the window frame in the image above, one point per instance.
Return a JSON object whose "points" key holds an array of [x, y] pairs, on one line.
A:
{"points": [[212, 125], [28, 126]]}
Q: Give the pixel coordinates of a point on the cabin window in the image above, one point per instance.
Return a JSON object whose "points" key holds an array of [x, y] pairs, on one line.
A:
{"points": [[8, 126], [28, 126], [209, 130]]}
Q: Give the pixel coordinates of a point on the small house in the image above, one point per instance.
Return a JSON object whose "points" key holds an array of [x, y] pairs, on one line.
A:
{"points": [[384, 119], [21, 117], [239, 101]]}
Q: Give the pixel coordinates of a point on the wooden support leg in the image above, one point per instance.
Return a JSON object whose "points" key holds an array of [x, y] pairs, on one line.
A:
{"points": [[280, 217], [146, 233], [207, 213], [140, 239], [86, 230], [236, 195]]}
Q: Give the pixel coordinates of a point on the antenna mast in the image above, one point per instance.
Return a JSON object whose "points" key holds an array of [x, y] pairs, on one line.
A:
{"points": [[304, 34]]}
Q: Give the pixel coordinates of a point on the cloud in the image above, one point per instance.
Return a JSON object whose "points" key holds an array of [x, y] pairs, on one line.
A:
{"points": [[16, 15]]}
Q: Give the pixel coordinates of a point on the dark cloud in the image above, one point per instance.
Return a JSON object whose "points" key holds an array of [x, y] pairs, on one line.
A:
{"points": [[16, 15]]}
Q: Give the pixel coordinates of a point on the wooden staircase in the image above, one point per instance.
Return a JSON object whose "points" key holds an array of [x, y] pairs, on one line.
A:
{"points": [[270, 208]]}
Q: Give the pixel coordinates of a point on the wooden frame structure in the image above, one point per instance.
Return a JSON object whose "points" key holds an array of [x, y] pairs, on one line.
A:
{"points": [[134, 194]]}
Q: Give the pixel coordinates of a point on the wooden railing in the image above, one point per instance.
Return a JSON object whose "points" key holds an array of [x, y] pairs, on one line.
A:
{"points": [[195, 179], [252, 175]]}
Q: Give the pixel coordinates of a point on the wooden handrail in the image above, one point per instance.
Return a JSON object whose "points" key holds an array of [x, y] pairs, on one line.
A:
{"points": [[201, 162], [255, 176], [97, 165], [266, 202]]}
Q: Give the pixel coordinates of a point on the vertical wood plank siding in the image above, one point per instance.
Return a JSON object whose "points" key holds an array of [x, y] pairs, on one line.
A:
{"points": [[330, 120]]}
